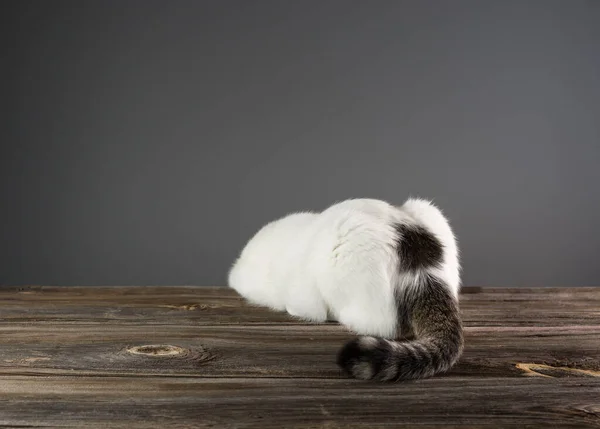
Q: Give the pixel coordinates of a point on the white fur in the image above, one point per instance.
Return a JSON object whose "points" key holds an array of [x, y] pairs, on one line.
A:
{"points": [[341, 264]]}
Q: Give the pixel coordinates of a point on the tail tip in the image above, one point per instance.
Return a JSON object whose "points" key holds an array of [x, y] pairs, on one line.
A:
{"points": [[360, 356], [369, 358]]}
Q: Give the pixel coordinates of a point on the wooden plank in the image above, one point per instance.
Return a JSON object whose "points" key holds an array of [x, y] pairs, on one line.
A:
{"points": [[194, 306], [156, 402], [79, 357], [267, 351]]}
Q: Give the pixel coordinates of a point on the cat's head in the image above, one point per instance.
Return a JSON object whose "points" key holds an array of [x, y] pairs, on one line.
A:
{"points": [[249, 274]]}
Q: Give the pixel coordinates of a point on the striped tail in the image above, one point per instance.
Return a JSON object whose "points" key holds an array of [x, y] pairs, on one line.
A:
{"points": [[432, 312]]}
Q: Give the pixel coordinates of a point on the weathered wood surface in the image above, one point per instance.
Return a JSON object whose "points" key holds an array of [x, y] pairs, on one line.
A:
{"points": [[77, 357]]}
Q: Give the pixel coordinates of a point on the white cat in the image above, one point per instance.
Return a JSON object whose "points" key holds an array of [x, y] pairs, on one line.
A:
{"points": [[388, 272]]}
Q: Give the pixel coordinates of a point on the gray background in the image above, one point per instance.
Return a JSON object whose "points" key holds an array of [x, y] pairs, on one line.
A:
{"points": [[144, 142]]}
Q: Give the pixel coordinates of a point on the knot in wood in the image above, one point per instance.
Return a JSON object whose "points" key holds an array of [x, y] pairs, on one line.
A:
{"points": [[163, 356], [157, 350]]}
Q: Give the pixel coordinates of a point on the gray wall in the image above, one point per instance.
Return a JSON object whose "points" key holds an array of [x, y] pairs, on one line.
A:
{"points": [[144, 142]]}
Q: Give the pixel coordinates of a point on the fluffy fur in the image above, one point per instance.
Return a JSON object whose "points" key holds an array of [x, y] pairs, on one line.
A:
{"points": [[389, 273]]}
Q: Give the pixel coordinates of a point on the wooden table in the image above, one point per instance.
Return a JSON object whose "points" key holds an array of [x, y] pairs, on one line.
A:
{"points": [[183, 357]]}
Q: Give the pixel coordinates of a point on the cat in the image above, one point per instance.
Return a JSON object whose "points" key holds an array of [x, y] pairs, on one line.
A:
{"points": [[389, 273]]}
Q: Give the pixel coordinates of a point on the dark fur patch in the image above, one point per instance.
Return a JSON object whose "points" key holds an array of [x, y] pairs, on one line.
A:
{"points": [[417, 247]]}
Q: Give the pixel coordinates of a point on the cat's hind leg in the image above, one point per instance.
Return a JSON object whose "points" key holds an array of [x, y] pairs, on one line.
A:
{"points": [[361, 291], [306, 304]]}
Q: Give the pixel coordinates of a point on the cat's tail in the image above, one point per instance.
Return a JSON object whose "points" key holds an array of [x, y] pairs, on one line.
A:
{"points": [[435, 319]]}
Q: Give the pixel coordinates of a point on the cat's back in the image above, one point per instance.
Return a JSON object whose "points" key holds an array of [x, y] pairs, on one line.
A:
{"points": [[345, 232], [371, 235], [357, 215]]}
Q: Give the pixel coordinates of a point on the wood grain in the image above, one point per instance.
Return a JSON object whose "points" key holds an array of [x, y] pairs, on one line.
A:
{"points": [[183, 357], [268, 351], [156, 402], [181, 305]]}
